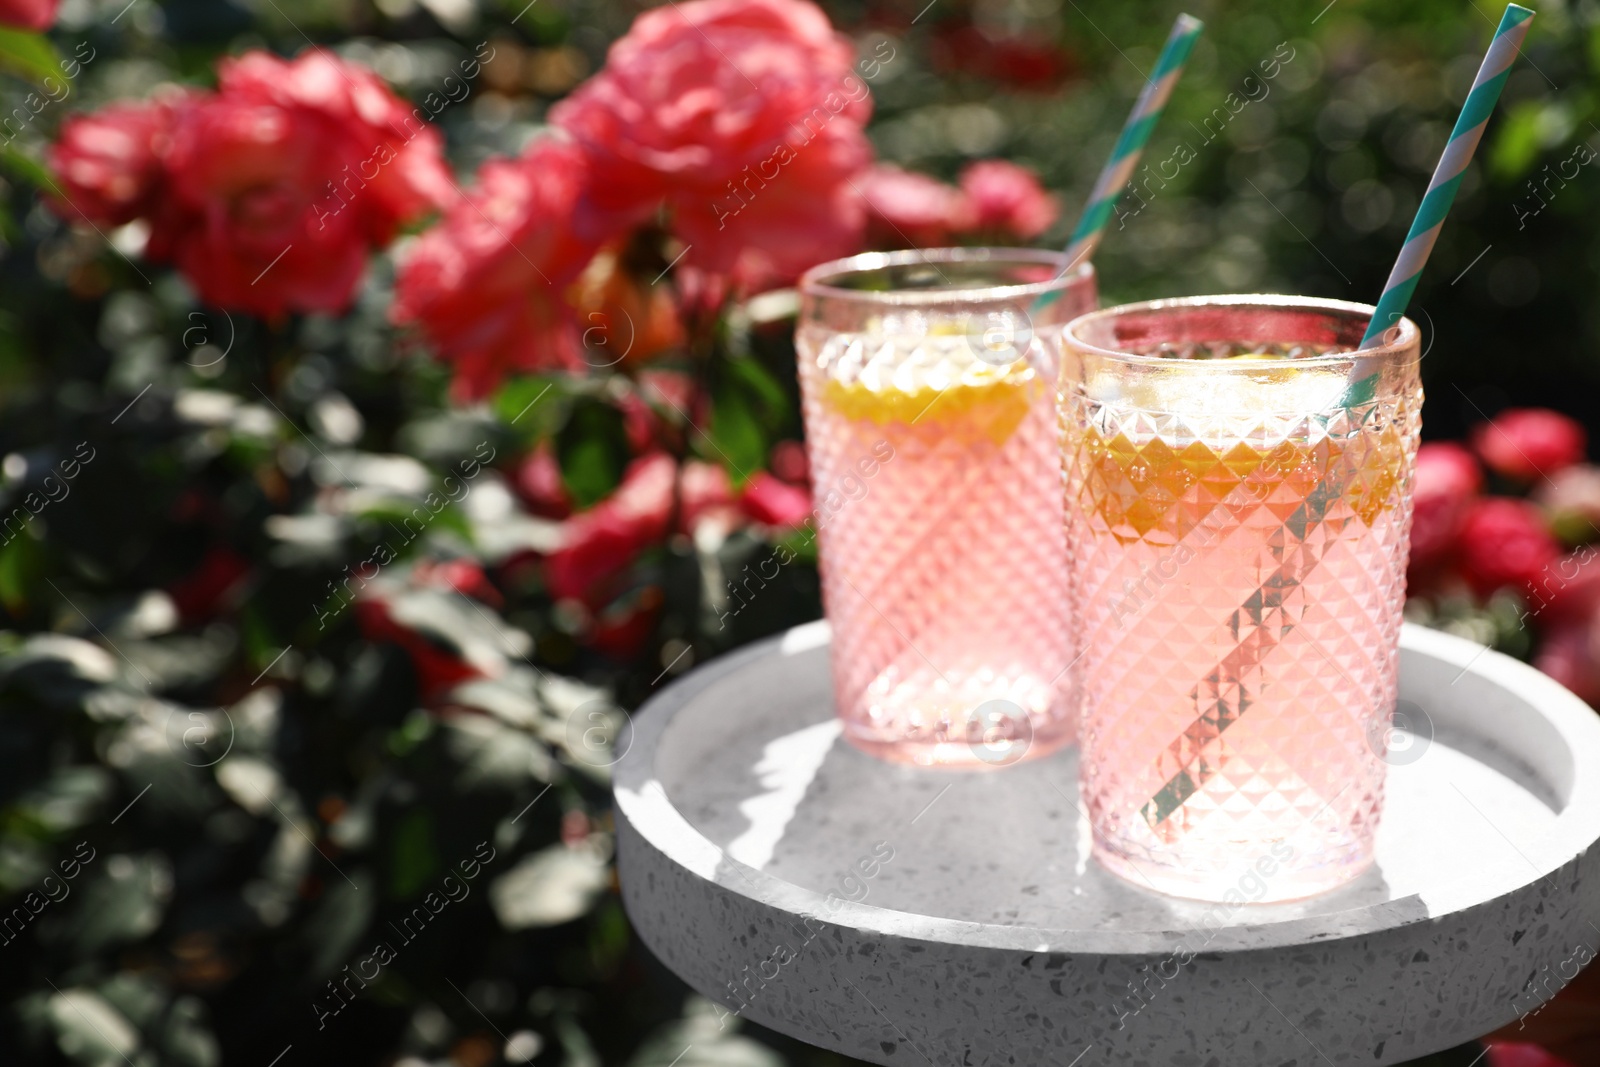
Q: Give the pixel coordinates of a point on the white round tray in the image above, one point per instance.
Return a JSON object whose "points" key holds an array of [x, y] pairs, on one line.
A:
{"points": [[911, 916]]}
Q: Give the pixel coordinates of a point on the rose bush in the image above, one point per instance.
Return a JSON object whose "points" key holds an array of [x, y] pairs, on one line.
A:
{"points": [[270, 193], [415, 589], [1469, 550]]}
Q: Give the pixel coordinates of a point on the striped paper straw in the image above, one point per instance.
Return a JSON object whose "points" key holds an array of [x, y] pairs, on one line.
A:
{"points": [[1447, 175], [1135, 134]]}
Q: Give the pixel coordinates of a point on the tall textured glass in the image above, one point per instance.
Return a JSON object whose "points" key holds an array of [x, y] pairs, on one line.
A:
{"points": [[1238, 500], [929, 386]]}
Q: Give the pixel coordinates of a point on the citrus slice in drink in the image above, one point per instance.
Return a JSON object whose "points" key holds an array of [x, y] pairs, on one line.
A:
{"points": [[1153, 490], [963, 397]]}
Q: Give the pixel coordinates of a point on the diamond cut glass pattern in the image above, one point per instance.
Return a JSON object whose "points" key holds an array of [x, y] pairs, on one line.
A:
{"points": [[936, 472], [1238, 572]]}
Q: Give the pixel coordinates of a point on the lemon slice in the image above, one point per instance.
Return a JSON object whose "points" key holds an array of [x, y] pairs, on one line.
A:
{"points": [[1153, 486], [977, 405]]}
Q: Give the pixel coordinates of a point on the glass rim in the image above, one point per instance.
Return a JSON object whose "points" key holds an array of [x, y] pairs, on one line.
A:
{"points": [[815, 282], [1408, 333]]}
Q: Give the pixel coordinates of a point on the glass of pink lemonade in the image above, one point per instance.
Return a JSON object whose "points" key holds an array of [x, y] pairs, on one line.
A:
{"points": [[929, 388], [1238, 500]]}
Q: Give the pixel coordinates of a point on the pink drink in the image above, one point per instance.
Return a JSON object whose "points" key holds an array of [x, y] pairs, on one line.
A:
{"points": [[929, 407], [1240, 527]]}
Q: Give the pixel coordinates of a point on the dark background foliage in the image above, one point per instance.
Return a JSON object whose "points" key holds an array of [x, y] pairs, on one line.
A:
{"points": [[263, 797]]}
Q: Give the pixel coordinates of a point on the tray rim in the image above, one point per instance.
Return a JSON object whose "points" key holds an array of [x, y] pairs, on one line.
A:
{"points": [[644, 803]]}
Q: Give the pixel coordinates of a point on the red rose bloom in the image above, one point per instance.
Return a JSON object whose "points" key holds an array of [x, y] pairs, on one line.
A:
{"points": [[270, 193], [109, 162], [772, 502], [292, 174], [438, 668], [1529, 443], [745, 118], [1020, 61], [33, 15], [623, 629], [1008, 200], [705, 493], [1447, 481], [601, 543], [213, 586], [1572, 500], [1570, 653], [788, 461], [538, 482], [487, 286], [1568, 591], [904, 209], [462, 575], [1504, 543]]}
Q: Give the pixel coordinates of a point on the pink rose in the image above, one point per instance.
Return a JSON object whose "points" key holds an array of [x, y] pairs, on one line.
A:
{"points": [[1571, 498], [772, 502], [788, 461], [744, 117], [1570, 653], [538, 483], [108, 162], [1568, 591], [1447, 481], [1007, 200], [1529, 443], [1504, 544], [271, 192], [487, 285], [705, 493], [601, 543], [35, 15], [292, 174], [905, 209]]}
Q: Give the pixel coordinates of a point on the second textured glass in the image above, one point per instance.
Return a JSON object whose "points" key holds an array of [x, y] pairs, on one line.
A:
{"points": [[929, 384], [1238, 497]]}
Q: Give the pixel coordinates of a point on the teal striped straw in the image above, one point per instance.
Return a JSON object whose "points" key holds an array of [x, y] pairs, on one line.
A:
{"points": [[1125, 156], [1447, 175]]}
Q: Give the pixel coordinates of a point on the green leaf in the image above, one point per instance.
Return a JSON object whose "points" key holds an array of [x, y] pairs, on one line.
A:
{"points": [[414, 858], [761, 385], [532, 407], [1529, 128], [26, 167], [123, 903], [29, 54], [341, 916], [20, 566], [748, 408], [592, 449], [736, 434]]}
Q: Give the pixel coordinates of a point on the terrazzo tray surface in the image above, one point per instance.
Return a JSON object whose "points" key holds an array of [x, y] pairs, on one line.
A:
{"points": [[913, 916]]}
